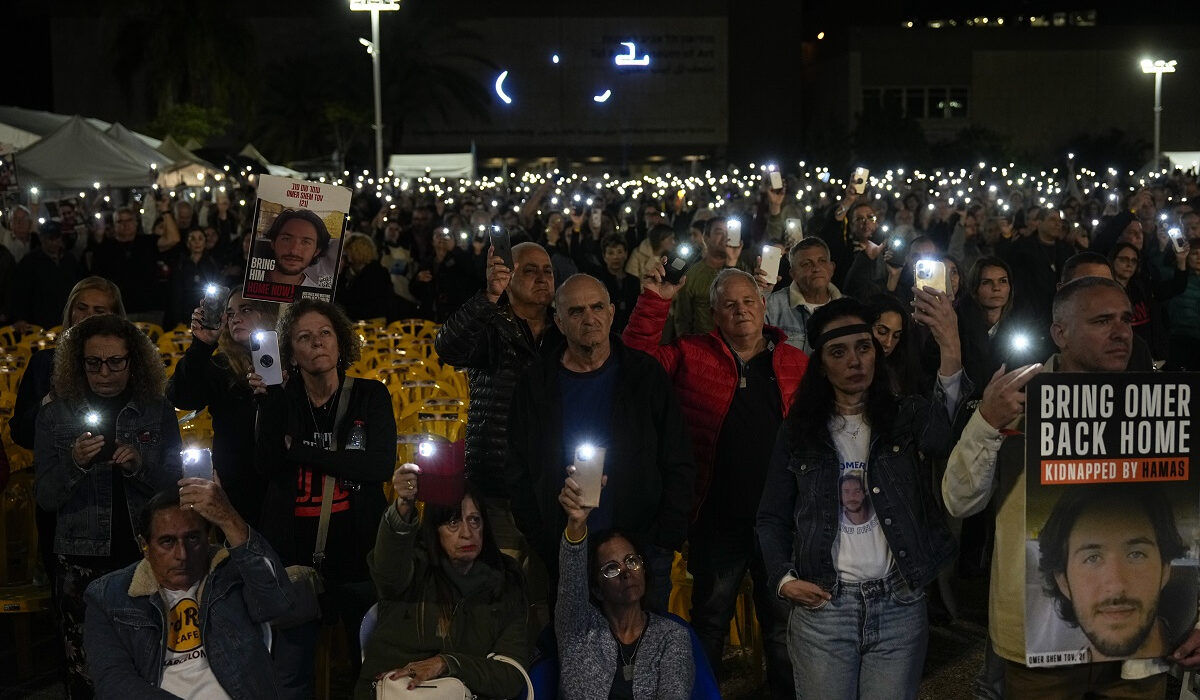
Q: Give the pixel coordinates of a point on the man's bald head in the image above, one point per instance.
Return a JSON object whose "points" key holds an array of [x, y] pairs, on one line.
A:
{"points": [[528, 248], [579, 282]]}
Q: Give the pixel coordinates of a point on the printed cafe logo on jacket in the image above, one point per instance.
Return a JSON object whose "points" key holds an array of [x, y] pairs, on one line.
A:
{"points": [[186, 672]]}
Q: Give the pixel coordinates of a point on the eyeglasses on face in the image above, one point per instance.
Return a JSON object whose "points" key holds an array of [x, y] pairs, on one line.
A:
{"points": [[864, 219], [117, 363], [475, 522], [612, 569]]}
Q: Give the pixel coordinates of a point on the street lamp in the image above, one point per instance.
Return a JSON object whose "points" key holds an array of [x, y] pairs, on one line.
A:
{"points": [[372, 46], [1157, 67]]}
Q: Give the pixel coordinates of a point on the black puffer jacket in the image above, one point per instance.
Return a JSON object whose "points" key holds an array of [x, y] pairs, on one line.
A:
{"points": [[494, 346]]}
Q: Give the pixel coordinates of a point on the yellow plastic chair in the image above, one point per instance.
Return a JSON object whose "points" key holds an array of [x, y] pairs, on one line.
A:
{"points": [[415, 327], [153, 330]]}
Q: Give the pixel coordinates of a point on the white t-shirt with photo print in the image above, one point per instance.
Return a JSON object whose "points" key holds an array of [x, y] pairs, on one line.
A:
{"points": [[860, 551]]}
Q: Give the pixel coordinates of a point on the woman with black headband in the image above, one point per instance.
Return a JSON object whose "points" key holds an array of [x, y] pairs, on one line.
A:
{"points": [[849, 527]]}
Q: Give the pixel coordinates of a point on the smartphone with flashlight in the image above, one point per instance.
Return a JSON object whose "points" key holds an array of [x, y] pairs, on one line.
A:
{"points": [[930, 274], [733, 233], [1019, 350], [771, 257], [95, 422], [794, 229], [264, 351], [503, 245], [678, 263], [596, 220], [859, 180], [898, 248], [589, 472], [1177, 238], [212, 306], [197, 463], [776, 179]]}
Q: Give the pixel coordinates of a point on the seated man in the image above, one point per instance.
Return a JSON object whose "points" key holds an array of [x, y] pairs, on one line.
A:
{"points": [[208, 603]]}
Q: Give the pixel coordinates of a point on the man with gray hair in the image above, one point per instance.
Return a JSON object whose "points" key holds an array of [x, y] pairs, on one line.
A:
{"points": [[735, 385], [812, 286], [596, 394]]}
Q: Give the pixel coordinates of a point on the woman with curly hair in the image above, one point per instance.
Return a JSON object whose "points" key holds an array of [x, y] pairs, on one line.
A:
{"points": [[106, 442], [212, 374], [308, 454]]}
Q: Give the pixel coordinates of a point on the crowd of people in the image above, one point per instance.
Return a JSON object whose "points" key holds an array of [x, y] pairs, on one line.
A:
{"points": [[644, 380]]}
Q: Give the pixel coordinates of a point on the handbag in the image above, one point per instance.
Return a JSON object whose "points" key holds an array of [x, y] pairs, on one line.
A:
{"points": [[306, 585], [441, 688]]}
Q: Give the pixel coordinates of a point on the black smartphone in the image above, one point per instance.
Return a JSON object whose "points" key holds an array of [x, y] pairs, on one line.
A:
{"points": [[678, 262], [212, 306], [503, 245]]}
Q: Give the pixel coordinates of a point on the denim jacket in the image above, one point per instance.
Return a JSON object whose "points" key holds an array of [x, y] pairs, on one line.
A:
{"points": [[125, 633], [798, 515], [82, 498]]}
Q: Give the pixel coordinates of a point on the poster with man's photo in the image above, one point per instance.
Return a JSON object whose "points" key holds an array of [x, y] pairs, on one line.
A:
{"points": [[297, 231], [1111, 515]]}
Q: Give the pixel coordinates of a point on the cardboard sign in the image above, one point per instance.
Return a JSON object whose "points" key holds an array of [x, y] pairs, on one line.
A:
{"points": [[1111, 516], [298, 228]]}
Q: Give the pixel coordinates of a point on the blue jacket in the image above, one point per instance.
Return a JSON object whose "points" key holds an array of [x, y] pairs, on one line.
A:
{"points": [[82, 498], [125, 631], [799, 511], [792, 320]]}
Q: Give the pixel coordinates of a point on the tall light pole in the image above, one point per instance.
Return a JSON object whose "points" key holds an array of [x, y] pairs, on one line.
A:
{"points": [[1157, 67], [375, 7]]}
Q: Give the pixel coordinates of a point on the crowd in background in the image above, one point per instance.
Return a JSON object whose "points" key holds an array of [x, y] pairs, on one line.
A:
{"points": [[712, 393]]}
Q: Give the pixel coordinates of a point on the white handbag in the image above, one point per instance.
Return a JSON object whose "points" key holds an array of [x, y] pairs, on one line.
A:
{"points": [[441, 688]]}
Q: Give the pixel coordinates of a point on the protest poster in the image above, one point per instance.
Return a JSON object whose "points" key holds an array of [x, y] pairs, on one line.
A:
{"points": [[298, 228], [1111, 516]]}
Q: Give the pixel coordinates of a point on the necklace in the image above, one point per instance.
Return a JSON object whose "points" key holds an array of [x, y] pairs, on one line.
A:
{"points": [[627, 664], [857, 429], [316, 425]]}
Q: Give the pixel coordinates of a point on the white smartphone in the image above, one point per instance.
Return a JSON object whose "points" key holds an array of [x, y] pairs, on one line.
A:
{"points": [[1177, 238], [589, 471], [197, 463], [794, 229], [597, 219], [733, 233], [264, 350], [771, 257], [776, 179], [931, 274], [859, 180]]}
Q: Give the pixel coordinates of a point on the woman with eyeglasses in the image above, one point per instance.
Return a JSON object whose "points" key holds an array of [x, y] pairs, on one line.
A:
{"points": [[609, 645], [212, 374], [448, 597], [106, 442]]}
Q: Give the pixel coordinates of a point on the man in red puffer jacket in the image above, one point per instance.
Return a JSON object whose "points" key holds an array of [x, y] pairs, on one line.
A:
{"points": [[735, 385]]}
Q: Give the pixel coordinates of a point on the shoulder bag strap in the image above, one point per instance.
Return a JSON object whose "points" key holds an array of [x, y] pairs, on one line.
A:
{"points": [[520, 669], [330, 481]]}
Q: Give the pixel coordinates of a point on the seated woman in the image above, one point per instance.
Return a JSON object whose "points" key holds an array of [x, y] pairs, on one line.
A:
{"points": [[447, 596], [611, 645], [849, 526]]}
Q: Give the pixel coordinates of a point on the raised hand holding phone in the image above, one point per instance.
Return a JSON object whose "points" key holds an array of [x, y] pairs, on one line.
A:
{"points": [[499, 275], [571, 498], [656, 280]]}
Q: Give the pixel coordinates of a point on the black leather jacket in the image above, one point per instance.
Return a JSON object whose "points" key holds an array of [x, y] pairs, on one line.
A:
{"points": [[494, 346]]}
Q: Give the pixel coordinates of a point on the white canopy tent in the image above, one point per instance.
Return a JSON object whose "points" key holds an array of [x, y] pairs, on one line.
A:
{"points": [[254, 154], [1185, 160], [448, 165], [139, 147], [186, 169], [78, 154]]}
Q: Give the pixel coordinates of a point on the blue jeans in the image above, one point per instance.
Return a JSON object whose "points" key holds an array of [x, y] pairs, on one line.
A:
{"points": [[868, 642]]}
